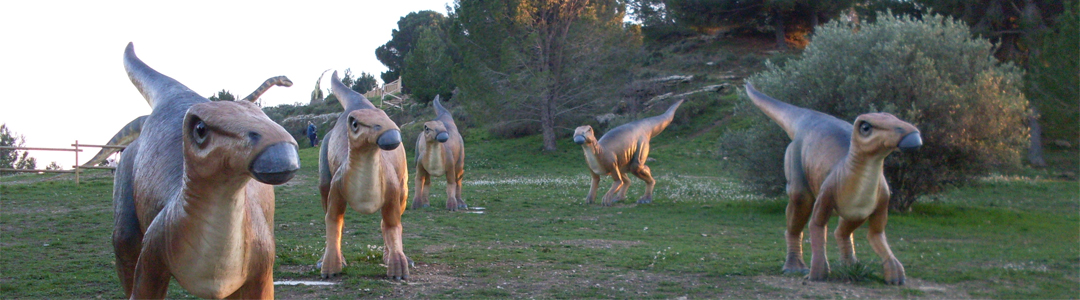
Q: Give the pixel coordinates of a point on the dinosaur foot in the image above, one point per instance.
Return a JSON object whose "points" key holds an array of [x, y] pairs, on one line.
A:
{"points": [[328, 271], [397, 266], [645, 200], [894, 272]]}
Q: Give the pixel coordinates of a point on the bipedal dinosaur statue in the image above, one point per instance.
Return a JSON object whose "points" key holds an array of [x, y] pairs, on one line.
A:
{"points": [[131, 131], [830, 168], [620, 151], [186, 206], [440, 151], [361, 165]]}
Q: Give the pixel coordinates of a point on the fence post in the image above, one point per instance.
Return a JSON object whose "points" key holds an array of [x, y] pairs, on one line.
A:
{"points": [[76, 162]]}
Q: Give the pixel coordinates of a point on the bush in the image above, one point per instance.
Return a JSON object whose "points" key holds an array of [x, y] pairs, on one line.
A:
{"points": [[929, 72]]}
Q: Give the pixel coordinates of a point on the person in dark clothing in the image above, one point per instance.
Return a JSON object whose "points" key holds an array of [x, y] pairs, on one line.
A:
{"points": [[312, 136]]}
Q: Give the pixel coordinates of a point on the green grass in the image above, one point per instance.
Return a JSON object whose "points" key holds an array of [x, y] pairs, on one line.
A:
{"points": [[703, 237]]}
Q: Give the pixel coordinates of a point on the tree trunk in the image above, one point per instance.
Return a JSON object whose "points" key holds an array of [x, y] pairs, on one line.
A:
{"points": [[1035, 151], [780, 32], [547, 123]]}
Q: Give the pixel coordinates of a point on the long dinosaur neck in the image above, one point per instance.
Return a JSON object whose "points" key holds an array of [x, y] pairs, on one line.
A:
{"points": [[214, 224], [364, 172], [858, 181]]}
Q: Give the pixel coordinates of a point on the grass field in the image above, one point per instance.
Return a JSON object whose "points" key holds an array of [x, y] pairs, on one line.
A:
{"points": [[704, 236]]}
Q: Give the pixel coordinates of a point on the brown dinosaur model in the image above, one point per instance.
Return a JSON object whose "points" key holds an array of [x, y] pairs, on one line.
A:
{"points": [[131, 131], [361, 165], [185, 204], [440, 151], [620, 151], [831, 168]]}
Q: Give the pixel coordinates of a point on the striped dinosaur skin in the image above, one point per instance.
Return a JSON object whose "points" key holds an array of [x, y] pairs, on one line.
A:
{"points": [[186, 206], [271, 82], [620, 151], [440, 151], [362, 166], [832, 168]]}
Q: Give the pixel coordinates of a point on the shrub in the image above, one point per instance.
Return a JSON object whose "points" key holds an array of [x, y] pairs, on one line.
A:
{"points": [[929, 72]]}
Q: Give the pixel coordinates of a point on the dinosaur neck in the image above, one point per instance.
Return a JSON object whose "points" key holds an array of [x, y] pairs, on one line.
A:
{"points": [[857, 182], [364, 174], [214, 226], [593, 154]]}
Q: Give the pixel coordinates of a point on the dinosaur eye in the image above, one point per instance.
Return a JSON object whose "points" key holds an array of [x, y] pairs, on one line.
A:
{"points": [[865, 128], [353, 123], [198, 131]]}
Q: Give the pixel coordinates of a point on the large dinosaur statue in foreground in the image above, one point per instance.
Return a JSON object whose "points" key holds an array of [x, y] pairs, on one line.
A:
{"points": [[131, 131], [440, 151], [186, 206], [361, 165], [620, 151], [831, 168]]}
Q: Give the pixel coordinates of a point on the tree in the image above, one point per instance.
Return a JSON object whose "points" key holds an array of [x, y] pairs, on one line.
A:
{"points": [[790, 20], [364, 83], [392, 54], [1054, 75], [223, 95], [931, 72], [56, 166], [10, 159], [428, 66], [542, 61]]}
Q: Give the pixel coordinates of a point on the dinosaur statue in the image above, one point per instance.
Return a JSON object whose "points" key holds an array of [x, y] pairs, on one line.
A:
{"points": [[185, 204], [831, 168], [620, 151], [131, 131], [361, 165], [440, 151]]}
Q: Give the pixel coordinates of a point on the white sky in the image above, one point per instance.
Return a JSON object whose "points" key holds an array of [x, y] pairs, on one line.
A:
{"points": [[62, 78]]}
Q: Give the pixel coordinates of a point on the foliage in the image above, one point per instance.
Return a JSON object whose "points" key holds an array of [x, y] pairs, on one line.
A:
{"points": [[392, 54], [223, 95], [544, 62], [10, 159], [1053, 76], [1010, 24], [53, 166], [928, 72], [428, 67], [364, 83], [790, 20]]}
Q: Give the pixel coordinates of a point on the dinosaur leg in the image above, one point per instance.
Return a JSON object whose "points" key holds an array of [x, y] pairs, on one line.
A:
{"points": [[151, 279], [423, 181], [843, 239], [333, 261], [457, 192], [621, 194], [261, 287], [127, 234], [397, 264], [451, 193], [819, 224], [646, 175], [894, 271], [592, 188], [609, 197], [799, 208]]}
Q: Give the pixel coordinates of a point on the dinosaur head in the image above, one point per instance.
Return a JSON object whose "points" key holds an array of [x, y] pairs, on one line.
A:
{"points": [[228, 139], [882, 133], [372, 128], [435, 131], [584, 135]]}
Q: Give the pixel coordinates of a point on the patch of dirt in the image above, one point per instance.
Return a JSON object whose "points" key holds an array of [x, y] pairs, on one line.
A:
{"points": [[798, 287]]}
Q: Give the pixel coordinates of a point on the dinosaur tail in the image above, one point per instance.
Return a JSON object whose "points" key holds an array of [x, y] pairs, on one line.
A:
{"points": [[153, 85], [662, 121], [124, 137], [272, 81], [782, 113], [348, 98], [439, 109]]}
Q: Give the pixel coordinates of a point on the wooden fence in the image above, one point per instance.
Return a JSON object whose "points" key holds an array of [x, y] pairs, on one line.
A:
{"points": [[74, 169]]}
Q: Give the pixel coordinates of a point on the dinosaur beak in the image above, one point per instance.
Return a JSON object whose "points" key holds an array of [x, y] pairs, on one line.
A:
{"points": [[442, 137], [275, 164], [910, 142], [579, 139], [389, 140]]}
